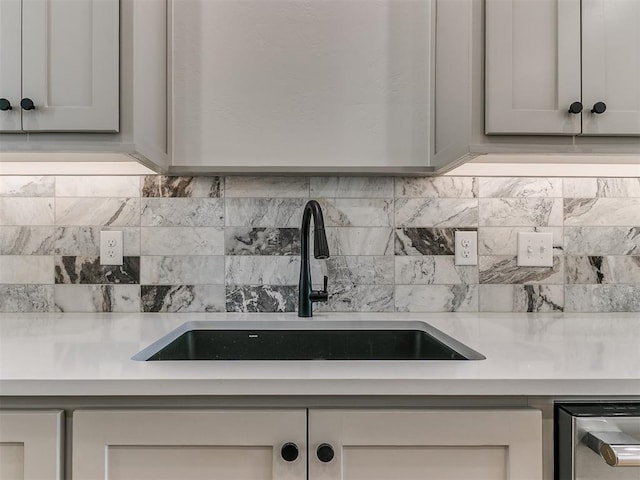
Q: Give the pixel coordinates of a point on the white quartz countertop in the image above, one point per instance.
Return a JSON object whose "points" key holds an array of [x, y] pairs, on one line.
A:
{"points": [[527, 354]]}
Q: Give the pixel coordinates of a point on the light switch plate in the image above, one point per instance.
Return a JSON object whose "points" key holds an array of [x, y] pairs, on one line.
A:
{"points": [[466, 247], [111, 247], [535, 249]]}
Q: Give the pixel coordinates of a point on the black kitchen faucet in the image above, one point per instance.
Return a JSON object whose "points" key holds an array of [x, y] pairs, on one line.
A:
{"points": [[306, 295]]}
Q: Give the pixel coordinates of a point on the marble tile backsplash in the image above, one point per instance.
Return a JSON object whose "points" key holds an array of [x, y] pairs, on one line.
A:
{"points": [[214, 244]]}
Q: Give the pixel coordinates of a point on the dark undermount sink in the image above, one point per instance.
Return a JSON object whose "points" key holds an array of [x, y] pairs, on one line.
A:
{"points": [[300, 341]]}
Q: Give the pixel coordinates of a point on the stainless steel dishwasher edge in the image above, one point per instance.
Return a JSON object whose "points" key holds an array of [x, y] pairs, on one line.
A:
{"points": [[597, 441]]}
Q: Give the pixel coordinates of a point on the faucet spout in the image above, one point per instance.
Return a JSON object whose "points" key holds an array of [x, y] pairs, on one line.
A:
{"points": [[306, 295]]}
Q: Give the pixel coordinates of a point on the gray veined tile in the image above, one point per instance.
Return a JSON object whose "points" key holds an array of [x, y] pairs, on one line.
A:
{"points": [[351, 187], [601, 211], [601, 269], [504, 240], [510, 187], [182, 270], [27, 240], [261, 298], [26, 211], [436, 298], [437, 187], [97, 298], [425, 241], [602, 298], [433, 270], [31, 269], [505, 270], [360, 240], [26, 186], [438, 212], [602, 240], [182, 212], [87, 270], [355, 212], [358, 298], [527, 212], [183, 298], [262, 270], [26, 298], [115, 212], [601, 187], [522, 298], [263, 212], [266, 186], [182, 241], [261, 241], [85, 241], [353, 270], [163, 186], [98, 186]]}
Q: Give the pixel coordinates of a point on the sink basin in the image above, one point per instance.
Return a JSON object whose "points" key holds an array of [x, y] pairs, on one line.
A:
{"points": [[291, 340]]}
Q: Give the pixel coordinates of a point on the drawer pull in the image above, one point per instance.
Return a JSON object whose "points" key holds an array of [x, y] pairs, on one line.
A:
{"points": [[617, 448]]}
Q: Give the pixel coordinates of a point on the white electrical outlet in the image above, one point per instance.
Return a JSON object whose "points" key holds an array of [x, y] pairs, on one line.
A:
{"points": [[111, 246], [466, 247], [535, 249]]}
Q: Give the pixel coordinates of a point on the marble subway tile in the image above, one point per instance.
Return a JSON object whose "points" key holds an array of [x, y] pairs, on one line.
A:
{"points": [[26, 211], [437, 187], [163, 186], [183, 298], [600, 269], [182, 212], [114, 212], [354, 212], [26, 186], [262, 298], [358, 298], [98, 186], [85, 241], [182, 241], [27, 240], [261, 241], [614, 212], [263, 212], [354, 270], [266, 186], [526, 212], [97, 298], [602, 298], [351, 187], [360, 241], [601, 187], [511, 187], [505, 270], [433, 270], [28, 269], [425, 241], [87, 270], [26, 298], [438, 212], [602, 240], [182, 270], [436, 298], [522, 298], [504, 240], [262, 270]]}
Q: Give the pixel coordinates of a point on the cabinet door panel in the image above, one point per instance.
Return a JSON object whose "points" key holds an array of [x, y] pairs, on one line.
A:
{"points": [[427, 444], [70, 65], [198, 444], [532, 66], [611, 66], [10, 60]]}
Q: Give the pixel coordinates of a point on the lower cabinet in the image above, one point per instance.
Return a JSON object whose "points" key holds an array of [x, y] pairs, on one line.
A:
{"points": [[342, 444], [31, 444]]}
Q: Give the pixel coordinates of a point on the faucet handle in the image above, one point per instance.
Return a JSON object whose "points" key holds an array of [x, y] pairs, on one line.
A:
{"points": [[326, 284], [320, 295]]}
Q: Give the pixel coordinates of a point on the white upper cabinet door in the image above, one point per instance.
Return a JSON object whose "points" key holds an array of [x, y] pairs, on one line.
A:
{"points": [[532, 66], [10, 65], [421, 444], [611, 66], [70, 65]]}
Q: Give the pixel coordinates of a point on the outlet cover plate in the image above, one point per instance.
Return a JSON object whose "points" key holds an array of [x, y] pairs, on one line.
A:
{"points": [[111, 247], [466, 247], [535, 249]]}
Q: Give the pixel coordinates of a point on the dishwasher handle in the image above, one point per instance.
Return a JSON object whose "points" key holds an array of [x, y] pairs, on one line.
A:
{"points": [[617, 448]]}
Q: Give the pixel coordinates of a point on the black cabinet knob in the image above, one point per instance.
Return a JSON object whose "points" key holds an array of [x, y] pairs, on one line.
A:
{"points": [[27, 104], [599, 107], [575, 108], [5, 104], [325, 453], [289, 452]]}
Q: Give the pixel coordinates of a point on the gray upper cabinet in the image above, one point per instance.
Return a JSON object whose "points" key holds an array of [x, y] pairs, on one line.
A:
{"points": [[542, 56], [59, 69]]}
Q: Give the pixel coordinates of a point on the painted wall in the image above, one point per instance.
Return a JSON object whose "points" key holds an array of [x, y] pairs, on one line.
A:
{"points": [[195, 244]]}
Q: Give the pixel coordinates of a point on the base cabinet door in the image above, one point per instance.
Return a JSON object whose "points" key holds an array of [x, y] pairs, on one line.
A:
{"points": [[189, 444], [31, 445], [425, 445]]}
